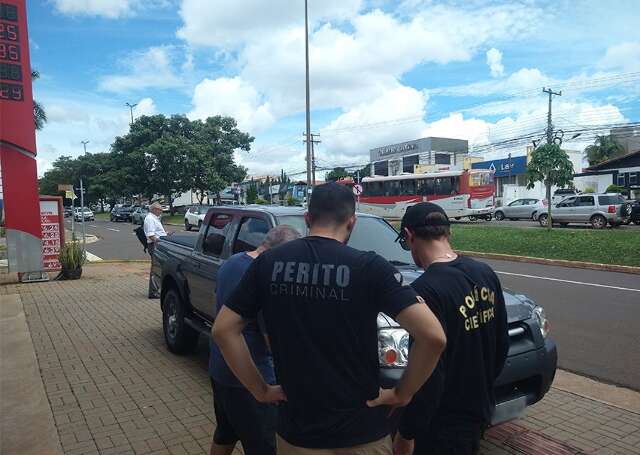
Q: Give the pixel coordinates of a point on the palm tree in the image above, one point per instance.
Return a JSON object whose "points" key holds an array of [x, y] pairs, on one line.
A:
{"points": [[39, 115], [604, 148]]}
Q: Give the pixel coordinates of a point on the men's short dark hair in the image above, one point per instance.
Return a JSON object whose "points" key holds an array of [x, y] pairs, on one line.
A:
{"points": [[331, 203], [433, 232]]}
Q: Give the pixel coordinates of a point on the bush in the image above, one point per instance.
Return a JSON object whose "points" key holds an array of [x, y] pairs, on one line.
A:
{"points": [[71, 255], [616, 189], [589, 190], [261, 201], [291, 201]]}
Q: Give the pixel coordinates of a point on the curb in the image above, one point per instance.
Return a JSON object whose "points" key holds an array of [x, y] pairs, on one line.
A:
{"points": [[558, 262], [583, 386], [119, 261]]}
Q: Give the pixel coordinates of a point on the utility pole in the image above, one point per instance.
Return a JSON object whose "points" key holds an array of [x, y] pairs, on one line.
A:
{"points": [[549, 124], [313, 156], [131, 106], [308, 103], [84, 232], [84, 144]]}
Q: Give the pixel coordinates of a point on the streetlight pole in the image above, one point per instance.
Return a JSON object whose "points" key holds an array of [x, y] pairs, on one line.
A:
{"points": [[131, 106], [308, 108], [84, 144]]}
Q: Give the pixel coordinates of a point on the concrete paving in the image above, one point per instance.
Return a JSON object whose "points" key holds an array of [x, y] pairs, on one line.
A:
{"points": [[113, 387]]}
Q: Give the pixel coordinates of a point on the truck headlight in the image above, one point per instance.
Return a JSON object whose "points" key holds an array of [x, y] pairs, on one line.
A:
{"points": [[393, 347], [543, 322]]}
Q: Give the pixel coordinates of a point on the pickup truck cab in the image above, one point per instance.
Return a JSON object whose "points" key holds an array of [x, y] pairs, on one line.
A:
{"points": [[186, 268]]}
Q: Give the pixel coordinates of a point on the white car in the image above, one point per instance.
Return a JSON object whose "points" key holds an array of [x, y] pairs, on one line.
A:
{"points": [[195, 216], [526, 208], [85, 213]]}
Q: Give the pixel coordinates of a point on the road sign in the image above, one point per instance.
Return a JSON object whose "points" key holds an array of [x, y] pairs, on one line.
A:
{"points": [[65, 187], [357, 189]]}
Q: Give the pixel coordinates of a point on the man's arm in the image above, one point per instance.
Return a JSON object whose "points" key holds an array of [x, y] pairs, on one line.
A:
{"points": [[429, 343], [502, 330], [227, 333]]}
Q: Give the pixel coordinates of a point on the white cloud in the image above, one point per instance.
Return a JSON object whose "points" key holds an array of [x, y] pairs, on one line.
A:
{"points": [[228, 24], [233, 97], [111, 9], [623, 57], [494, 61], [152, 68]]}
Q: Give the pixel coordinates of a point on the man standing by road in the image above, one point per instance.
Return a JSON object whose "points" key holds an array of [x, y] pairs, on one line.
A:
{"points": [[450, 412], [320, 300], [239, 417], [153, 230]]}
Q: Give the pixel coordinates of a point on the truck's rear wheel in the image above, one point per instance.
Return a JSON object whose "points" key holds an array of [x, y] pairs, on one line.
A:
{"points": [[180, 338]]}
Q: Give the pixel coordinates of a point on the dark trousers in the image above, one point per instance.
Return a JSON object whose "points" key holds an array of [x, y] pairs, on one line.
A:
{"points": [[441, 445], [239, 417], [153, 286]]}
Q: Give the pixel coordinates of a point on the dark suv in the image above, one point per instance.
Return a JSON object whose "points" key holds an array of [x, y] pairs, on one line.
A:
{"points": [[122, 213], [186, 267]]}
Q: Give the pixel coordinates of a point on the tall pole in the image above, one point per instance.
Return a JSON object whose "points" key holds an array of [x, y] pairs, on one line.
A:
{"points": [[84, 232], [308, 103], [549, 123], [131, 106], [84, 144]]}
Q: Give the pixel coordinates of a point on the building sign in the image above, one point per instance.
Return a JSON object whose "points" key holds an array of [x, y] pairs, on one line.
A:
{"points": [[51, 222], [504, 167], [395, 149], [18, 142]]}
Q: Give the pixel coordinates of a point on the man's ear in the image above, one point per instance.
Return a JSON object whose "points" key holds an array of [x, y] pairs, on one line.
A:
{"points": [[352, 222], [408, 234]]}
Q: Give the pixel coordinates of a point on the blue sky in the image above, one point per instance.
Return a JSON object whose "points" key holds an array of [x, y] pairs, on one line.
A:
{"points": [[381, 71]]}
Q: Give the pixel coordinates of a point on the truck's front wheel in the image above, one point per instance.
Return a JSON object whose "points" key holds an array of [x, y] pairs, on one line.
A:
{"points": [[180, 338]]}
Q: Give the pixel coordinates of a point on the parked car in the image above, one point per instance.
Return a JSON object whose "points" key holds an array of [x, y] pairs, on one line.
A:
{"points": [[595, 209], [139, 214], [68, 211], [194, 216], [186, 268], [562, 193], [122, 213], [85, 213], [526, 208]]}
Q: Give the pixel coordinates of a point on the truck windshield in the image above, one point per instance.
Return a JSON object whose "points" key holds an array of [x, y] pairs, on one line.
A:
{"points": [[370, 234]]}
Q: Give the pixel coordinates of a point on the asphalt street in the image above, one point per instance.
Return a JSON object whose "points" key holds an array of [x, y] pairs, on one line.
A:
{"points": [[594, 315]]}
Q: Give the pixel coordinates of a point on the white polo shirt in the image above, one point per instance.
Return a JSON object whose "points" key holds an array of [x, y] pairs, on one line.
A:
{"points": [[153, 227]]}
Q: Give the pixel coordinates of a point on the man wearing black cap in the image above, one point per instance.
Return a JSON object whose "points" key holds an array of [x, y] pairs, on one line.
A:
{"points": [[450, 412]]}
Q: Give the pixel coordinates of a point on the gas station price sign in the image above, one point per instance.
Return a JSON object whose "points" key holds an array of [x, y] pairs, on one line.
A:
{"points": [[15, 76]]}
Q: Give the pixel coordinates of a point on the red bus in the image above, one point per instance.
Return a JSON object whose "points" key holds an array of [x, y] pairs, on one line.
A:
{"points": [[469, 193]]}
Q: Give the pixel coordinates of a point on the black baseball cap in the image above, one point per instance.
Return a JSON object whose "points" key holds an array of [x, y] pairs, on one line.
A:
{"points": [[416, 216]]}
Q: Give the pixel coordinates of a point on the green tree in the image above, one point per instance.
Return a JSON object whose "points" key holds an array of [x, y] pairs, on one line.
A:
{"points": [[551, 165], [166, 158], [604, 148], [336, 174], [252, 193], [39, 114]]}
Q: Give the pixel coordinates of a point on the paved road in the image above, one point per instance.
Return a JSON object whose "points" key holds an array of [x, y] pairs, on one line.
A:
{"points": [[595, 316], [117, 240]]}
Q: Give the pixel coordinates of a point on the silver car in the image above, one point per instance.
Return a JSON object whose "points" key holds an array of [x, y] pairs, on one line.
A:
{"points": [[595, 209], [527, 208]]}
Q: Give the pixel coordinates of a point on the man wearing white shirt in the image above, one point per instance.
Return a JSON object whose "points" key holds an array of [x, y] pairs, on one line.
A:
{"points": [[153, 229]]}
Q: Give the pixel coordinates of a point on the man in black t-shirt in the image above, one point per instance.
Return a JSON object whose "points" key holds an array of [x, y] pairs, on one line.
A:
{"points": [[320, 301], [449, 413]]}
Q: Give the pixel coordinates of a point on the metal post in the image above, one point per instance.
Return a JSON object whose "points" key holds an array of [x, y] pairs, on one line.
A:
{"points": [[131, 106], [84, 232], [549, 123], [358, 195], [308, 108], [73, 213]]}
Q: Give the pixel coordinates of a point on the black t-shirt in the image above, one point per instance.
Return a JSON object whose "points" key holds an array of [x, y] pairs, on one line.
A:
{"points": [[320, 300], [458, 399]]}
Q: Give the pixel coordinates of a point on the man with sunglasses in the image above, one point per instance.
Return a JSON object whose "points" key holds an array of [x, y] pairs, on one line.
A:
{"points": [[450, 412]]}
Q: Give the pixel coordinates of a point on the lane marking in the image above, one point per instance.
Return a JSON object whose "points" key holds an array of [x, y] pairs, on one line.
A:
{"points": [[568, 281], [114, 230], [93, 225], [92, 257]]}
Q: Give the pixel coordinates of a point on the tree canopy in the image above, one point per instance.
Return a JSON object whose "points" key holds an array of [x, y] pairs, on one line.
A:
{"points": [[158, 156], [604, 148], [550, 165]]}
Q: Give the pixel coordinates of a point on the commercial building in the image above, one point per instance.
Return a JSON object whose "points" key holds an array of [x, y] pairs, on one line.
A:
{"points": [[402, 158], [628, 137], [623, 171]]}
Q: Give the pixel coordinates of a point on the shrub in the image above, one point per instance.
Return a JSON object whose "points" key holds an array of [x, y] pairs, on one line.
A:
{"points": [[616, 189], [292, 201], [261, 201], [589, 190], [71, 255]]}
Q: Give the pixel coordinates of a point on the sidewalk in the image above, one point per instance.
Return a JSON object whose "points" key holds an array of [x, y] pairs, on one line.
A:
{"points": [[113, 388]]}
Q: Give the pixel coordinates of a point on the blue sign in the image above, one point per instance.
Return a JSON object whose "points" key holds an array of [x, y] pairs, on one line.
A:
{"points": [[504, 167]]}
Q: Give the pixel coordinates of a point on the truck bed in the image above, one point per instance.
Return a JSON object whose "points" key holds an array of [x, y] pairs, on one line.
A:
{"points": [[185, 240]]}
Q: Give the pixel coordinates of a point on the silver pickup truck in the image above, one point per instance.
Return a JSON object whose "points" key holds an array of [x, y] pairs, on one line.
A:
{"points": [[187, 267]]}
